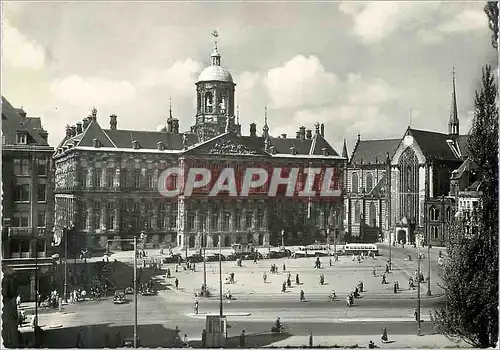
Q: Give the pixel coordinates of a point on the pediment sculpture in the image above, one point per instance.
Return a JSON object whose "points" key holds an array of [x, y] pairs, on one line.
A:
{"points": [[228, 147]]}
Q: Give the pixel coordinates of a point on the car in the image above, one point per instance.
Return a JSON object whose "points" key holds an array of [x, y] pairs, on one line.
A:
{"points": [[215, 257], [173, 259], [251, 256], [148, 292], [119, 297], [195, 258], [232, 257], [129, 290]]}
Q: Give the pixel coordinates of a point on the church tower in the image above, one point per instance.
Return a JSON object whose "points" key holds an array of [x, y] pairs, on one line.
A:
{"points": [[215, 98], [453, 124]]}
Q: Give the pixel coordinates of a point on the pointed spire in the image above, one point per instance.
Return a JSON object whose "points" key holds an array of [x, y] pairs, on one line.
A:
{"points": [[265, 128], [344, 150], [453, 124], [170, 108]]}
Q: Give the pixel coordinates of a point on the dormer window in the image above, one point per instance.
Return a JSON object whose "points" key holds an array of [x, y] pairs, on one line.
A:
{"points": [[292, 150], [96, 143], [21, 138], [135, 144]]}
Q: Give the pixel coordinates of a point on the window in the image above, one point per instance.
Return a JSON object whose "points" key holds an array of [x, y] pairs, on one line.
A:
{"points": [[208, 102], [98, 178], [97, 219], [238, 222], [354, 184], [84, 178], [173, 221], [21, 138], [190, 222], [110, 221], [123, 178], [357, 213], [41, 219], [20, 219], [226, 221], [42, 192], [369, 182], [42, 167], [84, 216], [434, 232], [137, 180], [434, 214], [22, 193], [260, 220], [248, 220], [150, 181], [215, 222], [21, 167], [373, 215], [110, 178], [161, 220]]}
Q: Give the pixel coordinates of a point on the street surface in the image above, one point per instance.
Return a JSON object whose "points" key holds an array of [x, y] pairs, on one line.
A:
{"points": [[259, 304]]}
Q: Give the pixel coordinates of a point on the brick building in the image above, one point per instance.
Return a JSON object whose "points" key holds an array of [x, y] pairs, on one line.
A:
{"points": [[106, 179], [27, 202]]}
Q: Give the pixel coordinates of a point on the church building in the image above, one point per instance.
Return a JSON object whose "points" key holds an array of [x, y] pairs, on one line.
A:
{"points": [[397, 190]]}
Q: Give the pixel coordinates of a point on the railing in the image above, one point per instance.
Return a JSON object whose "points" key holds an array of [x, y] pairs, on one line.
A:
{"points": [[20, 231]]}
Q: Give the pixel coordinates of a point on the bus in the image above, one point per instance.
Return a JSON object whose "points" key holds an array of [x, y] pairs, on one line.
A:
{"points": [[358, 248], [317, 250]]}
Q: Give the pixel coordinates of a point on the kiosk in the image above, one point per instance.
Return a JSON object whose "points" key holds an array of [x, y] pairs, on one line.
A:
{"points": [[216, 327]]}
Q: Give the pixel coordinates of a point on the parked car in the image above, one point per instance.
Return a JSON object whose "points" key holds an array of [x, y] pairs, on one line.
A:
{"points": [[119, 297], [173, 259], [148, 292], [129, 290], [215, 257], [232, 257], [251, 256], [195, 258]]}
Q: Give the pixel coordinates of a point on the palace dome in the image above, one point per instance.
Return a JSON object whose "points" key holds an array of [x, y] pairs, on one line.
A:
{"points": [[215, 73]]}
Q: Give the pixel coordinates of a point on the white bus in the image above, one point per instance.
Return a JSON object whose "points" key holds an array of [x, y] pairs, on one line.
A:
{"points": [[358, 248], [316, 250]]}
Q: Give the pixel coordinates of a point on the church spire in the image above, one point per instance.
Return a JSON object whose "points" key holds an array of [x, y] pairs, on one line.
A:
{"points": [[453, 124], [344, 151], [170, 109], [265, 128], [215, 53]]}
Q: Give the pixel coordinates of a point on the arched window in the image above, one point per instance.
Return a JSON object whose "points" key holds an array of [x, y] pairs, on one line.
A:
{"points": [[199, 102], [209, 102], [434, 214], [261, 239], [408, 185], [215, 240], [369, 182], [354, 183], [434, 232], [357, 212], [222, 102], [373, 215], [227, 241], [191, 241]]}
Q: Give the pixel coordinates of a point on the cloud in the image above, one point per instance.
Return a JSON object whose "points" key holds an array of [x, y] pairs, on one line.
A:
{"points": [[19, 51], [82, 91], [467, 20], [181, 76], [247, 83], [302, 81]]}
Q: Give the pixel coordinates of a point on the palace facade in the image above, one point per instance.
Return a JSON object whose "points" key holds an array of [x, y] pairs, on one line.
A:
{"points": [[106, 179], [398, 190]]}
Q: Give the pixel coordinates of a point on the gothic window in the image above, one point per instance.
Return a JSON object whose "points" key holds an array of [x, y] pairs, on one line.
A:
{"points": [[434, 214], [408, 180], [357, 212], [369, 182], [354, 183], [434, 232], [373, 215], [209, 102]]}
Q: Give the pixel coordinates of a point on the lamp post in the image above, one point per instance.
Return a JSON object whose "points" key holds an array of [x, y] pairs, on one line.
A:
{"points": [[418, 290], [204, 243], [220, 275], [134, 240]]}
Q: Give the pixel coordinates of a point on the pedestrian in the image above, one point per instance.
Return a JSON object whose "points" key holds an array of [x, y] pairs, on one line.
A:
{"points": [[384, 336], [18, 301], [176, 283], [264, 276], [242, 339], [284, 267], [297, 281], [310, 339], [384, 281], [186, 340], [386, 268], [283, 287], [288, 282], [196, 307], [203, 338], [416, 315], [79, 340], [395, 288]]}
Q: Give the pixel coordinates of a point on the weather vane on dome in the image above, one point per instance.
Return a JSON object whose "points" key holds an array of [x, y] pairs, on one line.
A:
{"points": [[215, 34]]}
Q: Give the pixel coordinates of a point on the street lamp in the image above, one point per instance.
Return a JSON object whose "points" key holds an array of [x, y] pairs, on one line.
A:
{"points": [[418, 290], [135, 276], [204, 244], [220, 275]]}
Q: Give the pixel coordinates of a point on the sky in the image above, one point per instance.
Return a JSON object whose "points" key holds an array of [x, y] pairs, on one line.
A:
{"points": [[371, 68]]}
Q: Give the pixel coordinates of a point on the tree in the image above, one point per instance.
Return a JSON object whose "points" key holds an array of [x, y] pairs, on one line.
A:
{"points": [[491, 10], [470, 278]]}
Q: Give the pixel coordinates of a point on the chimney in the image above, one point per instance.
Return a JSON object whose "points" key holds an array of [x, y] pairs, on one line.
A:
{"points": [[73, 130], [175, 126], [302, 130], [322, 129], [79, 129], [44, 135], [297, 135], [283, 136], [309, 134], [253, 130], [112, 122], [68, 131], [86, 123]]}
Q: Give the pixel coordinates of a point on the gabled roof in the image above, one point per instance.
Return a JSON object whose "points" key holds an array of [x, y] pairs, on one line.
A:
{"points": [[433, 144], [463, 144], [467, 165], [94, 131], [319, 143], [373, 151], [13, 120]]}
